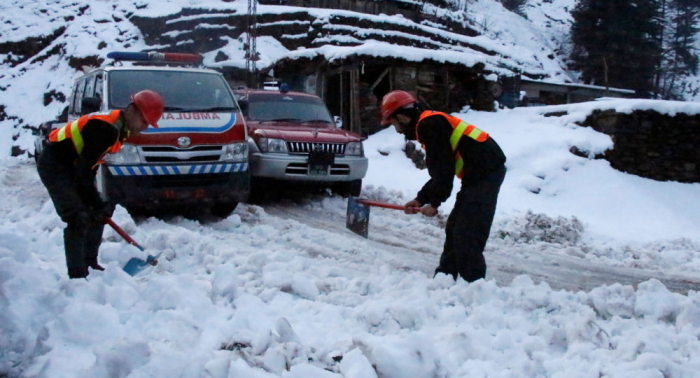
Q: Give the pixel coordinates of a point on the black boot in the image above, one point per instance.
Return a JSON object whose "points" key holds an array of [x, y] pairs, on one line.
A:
{"points": [[448, 272], [80, 272], [96, 266], [92, 263]]}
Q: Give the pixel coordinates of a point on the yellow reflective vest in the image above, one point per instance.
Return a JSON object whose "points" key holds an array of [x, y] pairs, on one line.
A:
{"points": [[73, 130], [460, 128]]}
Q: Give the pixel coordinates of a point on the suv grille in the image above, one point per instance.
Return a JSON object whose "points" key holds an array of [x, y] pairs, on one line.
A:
{"points": [[306, 147], [170, 154]]}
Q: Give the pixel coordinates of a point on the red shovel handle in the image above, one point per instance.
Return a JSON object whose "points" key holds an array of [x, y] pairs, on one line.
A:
{"points": [[121, 232], [381, 204]]}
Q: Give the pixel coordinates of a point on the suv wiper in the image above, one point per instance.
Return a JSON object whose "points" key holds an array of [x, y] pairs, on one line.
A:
{"points": [[316, 121], [283, 120]]}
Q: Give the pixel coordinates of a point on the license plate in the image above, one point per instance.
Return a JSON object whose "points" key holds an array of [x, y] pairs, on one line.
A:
{"points": [[183, 194], [318, 169]]}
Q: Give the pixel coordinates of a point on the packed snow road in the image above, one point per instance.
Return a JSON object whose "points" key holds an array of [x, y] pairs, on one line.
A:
{"points": [[415, 243], [548, 250]]}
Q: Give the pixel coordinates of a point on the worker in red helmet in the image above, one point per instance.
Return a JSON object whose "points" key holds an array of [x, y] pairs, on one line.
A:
{"points": [[68, 165], [453, 148]]}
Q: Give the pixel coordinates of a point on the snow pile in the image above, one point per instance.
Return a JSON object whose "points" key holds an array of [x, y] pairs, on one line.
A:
{"points": [[541, 228], [383, 322]]}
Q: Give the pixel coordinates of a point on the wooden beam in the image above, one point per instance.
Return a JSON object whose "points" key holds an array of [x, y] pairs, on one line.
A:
{"points": [[342, 100], [379, 79], [354, 100]]}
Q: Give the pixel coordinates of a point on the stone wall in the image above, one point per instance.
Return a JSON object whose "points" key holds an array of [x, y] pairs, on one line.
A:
{"points": [[652, 145]]}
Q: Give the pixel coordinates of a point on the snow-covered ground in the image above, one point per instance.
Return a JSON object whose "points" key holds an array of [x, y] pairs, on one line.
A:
{"points": [[595, 275], [283, 289]]}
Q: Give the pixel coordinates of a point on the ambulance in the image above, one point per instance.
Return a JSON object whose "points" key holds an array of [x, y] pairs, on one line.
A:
{"points": [[197, 158]]}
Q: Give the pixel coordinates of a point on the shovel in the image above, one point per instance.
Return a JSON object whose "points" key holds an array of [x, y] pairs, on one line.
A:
{"points": [[135, 264], [358, 214]]}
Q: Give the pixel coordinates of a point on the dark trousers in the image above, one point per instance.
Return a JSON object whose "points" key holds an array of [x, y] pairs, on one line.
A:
{"points": [[82, 236], [468, 228]]}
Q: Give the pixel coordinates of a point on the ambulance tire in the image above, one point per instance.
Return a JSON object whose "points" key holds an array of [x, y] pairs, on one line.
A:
{"points": [[138, 212], [258, 189], [223, 210]]}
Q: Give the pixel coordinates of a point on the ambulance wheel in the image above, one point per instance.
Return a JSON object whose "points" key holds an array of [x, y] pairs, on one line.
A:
{"points": [[223, 210]]}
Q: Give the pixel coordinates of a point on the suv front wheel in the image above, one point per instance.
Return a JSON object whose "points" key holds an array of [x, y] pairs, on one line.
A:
{"points": [[349, 189]]}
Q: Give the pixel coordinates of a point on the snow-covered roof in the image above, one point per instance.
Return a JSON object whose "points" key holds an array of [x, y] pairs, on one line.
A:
{"points": [[577, 85]]}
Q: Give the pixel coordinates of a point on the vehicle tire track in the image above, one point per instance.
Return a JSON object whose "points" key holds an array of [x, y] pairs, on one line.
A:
{"points": [[405, 249]]}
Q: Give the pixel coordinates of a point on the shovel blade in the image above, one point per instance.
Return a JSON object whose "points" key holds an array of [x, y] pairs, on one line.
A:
{"points": [[135, 265], [357, 217]]}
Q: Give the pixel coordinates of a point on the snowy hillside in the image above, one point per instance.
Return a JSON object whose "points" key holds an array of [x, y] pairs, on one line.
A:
{"points": [[44, 46]]}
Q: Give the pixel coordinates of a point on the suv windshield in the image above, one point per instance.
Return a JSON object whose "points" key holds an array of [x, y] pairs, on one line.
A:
{"points": [[276, 107], [181, 90]]}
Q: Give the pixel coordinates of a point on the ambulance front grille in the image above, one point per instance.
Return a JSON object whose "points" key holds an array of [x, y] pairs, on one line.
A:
{"points": [[171, 154]]}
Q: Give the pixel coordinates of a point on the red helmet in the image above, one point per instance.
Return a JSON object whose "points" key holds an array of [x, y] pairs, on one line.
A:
{"points": [[150, 104], [392, 102]]}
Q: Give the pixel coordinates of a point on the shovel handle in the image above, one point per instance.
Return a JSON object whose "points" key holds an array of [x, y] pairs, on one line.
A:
{"points": [[123, 234], [381, 204]]}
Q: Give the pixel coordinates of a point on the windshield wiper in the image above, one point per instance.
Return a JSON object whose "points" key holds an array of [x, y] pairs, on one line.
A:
{"points": [[316, 121], [173, 108]]}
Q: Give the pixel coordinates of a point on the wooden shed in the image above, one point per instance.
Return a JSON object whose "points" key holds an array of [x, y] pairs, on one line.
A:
{"points": [[353, 88]]}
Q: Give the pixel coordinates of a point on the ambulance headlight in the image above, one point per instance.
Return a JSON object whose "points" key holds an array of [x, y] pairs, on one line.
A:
{"points": [[236, 152], [128, 154], [353, 149]]}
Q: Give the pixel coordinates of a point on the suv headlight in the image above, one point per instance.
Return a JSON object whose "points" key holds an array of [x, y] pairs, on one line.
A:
{"points": [[236, 152], [128, 154], [272, 145], [354, 149]]}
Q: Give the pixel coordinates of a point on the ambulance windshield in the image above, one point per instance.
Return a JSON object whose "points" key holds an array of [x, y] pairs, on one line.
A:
{"points": [[181, 90]]}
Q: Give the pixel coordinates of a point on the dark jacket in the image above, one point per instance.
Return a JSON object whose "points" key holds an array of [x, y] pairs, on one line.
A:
{"points": [[480, 159], [98, 137]]}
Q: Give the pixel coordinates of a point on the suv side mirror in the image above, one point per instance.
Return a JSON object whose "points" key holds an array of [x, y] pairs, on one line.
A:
{"points": [[90, 105], [338, 122]]}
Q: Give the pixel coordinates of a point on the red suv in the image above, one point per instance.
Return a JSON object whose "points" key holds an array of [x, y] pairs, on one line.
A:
{"points": [[293, 137]]}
